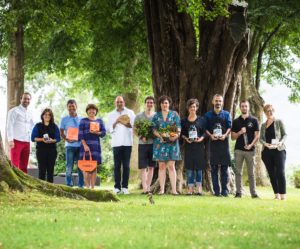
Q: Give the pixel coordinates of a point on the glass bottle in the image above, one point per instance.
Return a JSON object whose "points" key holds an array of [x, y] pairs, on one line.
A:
{"points": [[217, 131], [193, 133]]}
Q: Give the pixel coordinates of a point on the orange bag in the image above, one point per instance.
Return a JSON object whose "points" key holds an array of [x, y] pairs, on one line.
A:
{"points": [[72, 133], [87, 165], [94, 126]]}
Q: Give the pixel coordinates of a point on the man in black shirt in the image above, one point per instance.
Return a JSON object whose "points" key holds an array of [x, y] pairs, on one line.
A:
{"points": [[245, 130]]}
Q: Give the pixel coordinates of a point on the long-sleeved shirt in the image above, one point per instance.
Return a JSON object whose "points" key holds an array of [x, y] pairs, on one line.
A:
{"points": [[92, 140], [40, 129], [19, 124], [280, 133], [121, 135]]}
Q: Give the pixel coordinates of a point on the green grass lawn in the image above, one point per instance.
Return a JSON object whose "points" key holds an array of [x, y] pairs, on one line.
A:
{"points": [[35, 221]]}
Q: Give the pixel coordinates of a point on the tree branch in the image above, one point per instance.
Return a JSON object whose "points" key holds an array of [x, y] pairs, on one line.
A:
{"points": [[263, 47]]}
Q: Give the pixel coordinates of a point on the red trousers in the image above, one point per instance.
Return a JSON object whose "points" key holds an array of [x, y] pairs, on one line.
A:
{"points": [[19, 155]]}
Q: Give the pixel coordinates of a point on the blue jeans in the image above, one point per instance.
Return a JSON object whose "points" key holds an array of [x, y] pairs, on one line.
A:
{"points": [[191, 174], [121, 158], [72, 156], [215, 179]]}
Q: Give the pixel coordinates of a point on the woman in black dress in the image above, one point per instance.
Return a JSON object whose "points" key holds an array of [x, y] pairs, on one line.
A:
{"points": [[46, 135], [193, 134]]}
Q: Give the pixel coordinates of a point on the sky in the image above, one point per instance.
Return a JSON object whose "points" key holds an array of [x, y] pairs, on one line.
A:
{"points": [[276, 95]]}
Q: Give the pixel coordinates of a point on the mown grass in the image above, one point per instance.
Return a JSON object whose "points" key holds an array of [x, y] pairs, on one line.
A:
{"points": [[35, 221]]}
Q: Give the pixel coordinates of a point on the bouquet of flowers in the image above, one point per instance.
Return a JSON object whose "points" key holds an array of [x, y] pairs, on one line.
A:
{"points": [[167, 132], [144, 128]]}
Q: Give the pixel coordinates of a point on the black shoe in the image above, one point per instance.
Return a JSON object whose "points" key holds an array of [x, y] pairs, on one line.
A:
{"points": [[255, 196], [200, 194], [218, 195], [225, 195], [145, 193], [238, 195]]}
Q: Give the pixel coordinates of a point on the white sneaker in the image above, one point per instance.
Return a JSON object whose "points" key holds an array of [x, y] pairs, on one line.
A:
{"points": [[125, 191], [117, 191]]}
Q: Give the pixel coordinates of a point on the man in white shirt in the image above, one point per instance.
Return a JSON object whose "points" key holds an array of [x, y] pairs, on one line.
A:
{"points": [[18, 127], [120, 123]]}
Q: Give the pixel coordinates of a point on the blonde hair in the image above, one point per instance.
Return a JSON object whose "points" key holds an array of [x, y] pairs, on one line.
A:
{"points": [[268, 106]]}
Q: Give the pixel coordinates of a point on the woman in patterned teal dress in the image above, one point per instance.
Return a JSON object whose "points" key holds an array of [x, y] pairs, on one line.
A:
{"points": [[166, 153]]}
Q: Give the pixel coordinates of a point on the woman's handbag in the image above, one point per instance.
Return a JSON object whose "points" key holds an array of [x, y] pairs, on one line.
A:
{"points": [[87, 165]]}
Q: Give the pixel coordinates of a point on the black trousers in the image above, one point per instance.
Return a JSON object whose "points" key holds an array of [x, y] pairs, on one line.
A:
{"points": [[46, 158], [274, 161], [121, 158]]}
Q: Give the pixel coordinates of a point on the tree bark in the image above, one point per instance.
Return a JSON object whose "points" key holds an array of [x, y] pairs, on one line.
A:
{"points": [[13, 179], [250, 93], [181, 71], [15, 65], [15, 70], [131, 99]]}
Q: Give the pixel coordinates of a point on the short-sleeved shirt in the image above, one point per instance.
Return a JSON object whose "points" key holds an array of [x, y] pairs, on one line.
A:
{"points": [[219, 150], [166, 151], [142, 116], [69, 121], [251, 125], [194, 153]]}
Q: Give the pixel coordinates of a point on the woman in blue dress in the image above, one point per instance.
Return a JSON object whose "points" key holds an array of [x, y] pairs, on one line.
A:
{"points": [[166, 152], [90, 129]]}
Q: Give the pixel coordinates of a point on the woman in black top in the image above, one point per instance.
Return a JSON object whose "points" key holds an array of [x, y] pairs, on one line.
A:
{"points": [[193, 134], [46, 135], [272, 137]]}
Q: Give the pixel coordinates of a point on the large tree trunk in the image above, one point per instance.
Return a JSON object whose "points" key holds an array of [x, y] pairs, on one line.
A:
{"points": [[15, 70], [15, 65], [250, 92], [14, 179], [131, 98], [182, 71]]}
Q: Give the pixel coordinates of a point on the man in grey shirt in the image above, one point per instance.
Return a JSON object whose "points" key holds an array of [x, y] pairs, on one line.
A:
{"points": [[145, 150]]}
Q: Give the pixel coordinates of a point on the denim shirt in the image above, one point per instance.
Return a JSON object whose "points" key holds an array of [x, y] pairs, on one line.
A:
{"points": [[280, 133]]}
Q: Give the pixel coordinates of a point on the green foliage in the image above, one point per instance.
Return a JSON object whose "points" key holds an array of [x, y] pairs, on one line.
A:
{"points": [[60, 164], [144, 128], [167, 132], [297, 178], [275, 25], [105, 171], [207, 10]]}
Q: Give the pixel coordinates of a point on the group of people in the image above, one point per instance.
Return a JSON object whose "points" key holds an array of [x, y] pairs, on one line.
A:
{"points": [[82, 140]]}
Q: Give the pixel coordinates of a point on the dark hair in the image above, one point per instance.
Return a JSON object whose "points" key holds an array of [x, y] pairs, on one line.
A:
{"points": [[51, 115], [164, 98], [244, 101], [91, 106], [191, 102], [25, 93], [149, 98], [71, 102]]}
